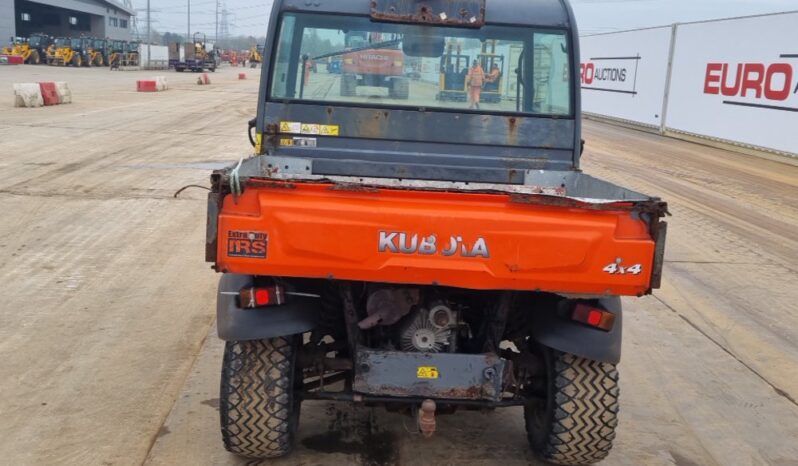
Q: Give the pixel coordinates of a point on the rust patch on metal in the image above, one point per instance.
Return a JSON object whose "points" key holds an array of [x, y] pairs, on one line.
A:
{"points": [[258, 183], [352, 187], [473, 392], [440, 12]]}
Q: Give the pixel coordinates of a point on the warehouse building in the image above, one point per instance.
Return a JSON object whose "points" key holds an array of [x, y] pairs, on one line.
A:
{"points": [[65, 18]]}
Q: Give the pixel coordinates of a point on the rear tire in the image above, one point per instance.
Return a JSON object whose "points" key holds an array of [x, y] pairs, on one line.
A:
{"points": [[259, 406], [34, 58], [576, 424], [348, 85]]}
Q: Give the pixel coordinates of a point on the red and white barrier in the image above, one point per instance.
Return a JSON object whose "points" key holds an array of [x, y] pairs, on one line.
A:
{"points": [[64, 93], [42, 94], [156, 84], [28, 95], [49, 93], [146, 85], [204, 79], [242, 76]]}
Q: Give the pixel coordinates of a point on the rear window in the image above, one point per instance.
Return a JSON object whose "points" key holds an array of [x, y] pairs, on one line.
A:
{"points": [[353, 60]]}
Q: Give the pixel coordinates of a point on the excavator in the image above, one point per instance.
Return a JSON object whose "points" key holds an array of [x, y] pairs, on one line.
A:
{"points": [[33, 50]]}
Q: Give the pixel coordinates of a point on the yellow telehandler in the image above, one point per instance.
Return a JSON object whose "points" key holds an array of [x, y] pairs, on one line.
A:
{"points": [[33, 50], [255, 56]]}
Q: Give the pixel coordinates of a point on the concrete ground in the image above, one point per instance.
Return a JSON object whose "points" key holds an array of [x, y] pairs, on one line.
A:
{"points": [[107, 348]]}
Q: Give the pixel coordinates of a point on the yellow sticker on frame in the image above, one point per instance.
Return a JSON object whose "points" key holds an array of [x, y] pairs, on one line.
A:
{"points": [[329, 130], [291, 127], [311, 128], [427, 372]]}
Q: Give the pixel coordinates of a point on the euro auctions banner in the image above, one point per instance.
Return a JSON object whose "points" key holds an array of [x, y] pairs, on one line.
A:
{"points": [[737, 80], [623, 74]]}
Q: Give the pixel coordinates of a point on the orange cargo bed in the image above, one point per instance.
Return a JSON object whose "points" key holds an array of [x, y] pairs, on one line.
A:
{"points": [[459, 239]]}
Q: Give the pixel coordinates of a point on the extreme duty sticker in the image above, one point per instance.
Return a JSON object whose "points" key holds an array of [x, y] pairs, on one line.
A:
{"points": [[247, 244]]}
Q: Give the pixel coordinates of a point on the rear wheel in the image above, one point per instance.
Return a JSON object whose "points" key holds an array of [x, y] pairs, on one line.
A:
{"points": [[77, 60], [348, 85], [34, 57], [576, 423], [259, 406]]}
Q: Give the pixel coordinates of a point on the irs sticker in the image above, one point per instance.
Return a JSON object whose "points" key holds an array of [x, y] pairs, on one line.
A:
{"points": [[252, 244]]}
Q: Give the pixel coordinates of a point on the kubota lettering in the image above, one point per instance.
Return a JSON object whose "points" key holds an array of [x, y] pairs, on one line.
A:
{"points": [[403, 243]]}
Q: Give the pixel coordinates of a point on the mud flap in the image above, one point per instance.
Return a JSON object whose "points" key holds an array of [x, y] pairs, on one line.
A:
{"points": [[298, 315], [556, 330]]}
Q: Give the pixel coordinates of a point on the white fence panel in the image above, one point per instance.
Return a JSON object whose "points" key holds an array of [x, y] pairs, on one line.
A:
{"points": [[737, 80], [624, 74]]}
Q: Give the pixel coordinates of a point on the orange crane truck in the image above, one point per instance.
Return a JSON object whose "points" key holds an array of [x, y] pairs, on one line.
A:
{"points": [[419, 255]]}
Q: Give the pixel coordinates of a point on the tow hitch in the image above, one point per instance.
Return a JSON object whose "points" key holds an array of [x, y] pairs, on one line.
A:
{"points": [[426, 418]]}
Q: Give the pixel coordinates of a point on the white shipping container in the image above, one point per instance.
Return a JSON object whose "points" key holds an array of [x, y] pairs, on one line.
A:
{"points": [[158, 55]]}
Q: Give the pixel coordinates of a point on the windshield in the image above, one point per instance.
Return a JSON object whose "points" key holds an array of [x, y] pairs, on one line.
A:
{"points": [[35, 41], [352, 60], [62, 42]]}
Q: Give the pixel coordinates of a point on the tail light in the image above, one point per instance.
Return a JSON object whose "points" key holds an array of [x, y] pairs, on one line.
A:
{"points": [[398, 63], [593, 316], [348, 61], [250, 298]]}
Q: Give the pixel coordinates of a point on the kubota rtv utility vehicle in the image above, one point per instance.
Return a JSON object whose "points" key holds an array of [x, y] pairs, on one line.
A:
{"points": [[410, 253]]}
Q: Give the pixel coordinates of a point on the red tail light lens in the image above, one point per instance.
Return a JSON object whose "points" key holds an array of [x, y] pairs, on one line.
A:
{"points": [[593, 316], [250, 298]]}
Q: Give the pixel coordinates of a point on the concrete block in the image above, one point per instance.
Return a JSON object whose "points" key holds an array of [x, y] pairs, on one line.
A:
{"points": [[64, 93], [28, 95], [49, 93]]}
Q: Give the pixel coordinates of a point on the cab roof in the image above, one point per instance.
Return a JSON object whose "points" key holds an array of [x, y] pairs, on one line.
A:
{"points": [[545, 13]]}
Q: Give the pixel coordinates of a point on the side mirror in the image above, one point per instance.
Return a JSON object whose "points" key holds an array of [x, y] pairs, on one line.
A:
{"points": [[423, 46]]}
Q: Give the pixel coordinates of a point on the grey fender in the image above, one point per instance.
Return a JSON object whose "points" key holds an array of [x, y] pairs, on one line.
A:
{"points": [[298, 315], [556, 330]]}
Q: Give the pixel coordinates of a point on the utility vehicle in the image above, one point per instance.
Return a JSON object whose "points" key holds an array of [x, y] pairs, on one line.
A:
{"points": [[407, 252]]}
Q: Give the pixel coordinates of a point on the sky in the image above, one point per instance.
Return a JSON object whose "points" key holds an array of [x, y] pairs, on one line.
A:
{"points": [[249, 17]]}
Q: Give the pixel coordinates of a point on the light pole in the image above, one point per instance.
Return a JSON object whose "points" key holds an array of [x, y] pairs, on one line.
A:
{"points": [[149, 36], [188, 31]]}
